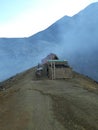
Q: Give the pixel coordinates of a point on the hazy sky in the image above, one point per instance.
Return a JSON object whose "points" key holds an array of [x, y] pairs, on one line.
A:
{"points": [[23, 18]]}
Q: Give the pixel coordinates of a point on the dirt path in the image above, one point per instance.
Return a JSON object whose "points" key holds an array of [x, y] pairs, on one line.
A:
{"points": [[74, 107], [22, 108], [49, 105]]}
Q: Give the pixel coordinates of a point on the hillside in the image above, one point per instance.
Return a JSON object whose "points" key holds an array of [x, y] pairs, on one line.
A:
{"points": [[31, 104], [72, 38]]}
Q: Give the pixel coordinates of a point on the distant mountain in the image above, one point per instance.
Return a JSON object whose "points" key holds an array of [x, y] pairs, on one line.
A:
{"points": [[72, 38]]}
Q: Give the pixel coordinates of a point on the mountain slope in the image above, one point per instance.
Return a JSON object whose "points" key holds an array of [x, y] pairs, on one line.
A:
{"points": [[49, 104], [72, 38]]}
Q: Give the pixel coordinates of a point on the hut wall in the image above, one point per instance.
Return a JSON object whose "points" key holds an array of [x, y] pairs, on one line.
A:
{"points": [[63, 73], [60, 73], [68, 73]]}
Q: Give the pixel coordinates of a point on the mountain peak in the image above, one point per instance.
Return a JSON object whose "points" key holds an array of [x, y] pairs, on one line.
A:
{"points": [[90, 10]]}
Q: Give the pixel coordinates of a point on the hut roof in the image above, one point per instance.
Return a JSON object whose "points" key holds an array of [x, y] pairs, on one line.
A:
{"points": [[59, 62]]}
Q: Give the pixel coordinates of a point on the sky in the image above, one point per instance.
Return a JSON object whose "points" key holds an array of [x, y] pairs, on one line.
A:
{"points": [[23, 18]]}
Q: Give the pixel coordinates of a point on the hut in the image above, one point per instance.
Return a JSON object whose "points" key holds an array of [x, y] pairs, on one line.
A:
{"points": [[58, 69], [53, 68]]}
